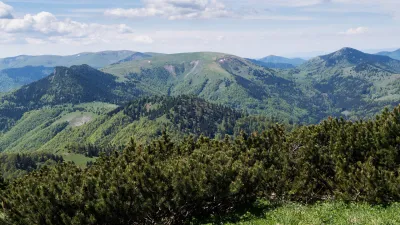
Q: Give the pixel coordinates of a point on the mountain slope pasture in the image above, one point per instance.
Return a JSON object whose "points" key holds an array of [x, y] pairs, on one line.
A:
{"points": [[218, 78]]}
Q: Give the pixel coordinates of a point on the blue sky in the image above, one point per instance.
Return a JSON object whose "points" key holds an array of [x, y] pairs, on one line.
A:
{"points": [[252, 28]]}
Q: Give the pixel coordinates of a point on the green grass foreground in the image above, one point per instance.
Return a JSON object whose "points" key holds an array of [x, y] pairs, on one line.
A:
{"points": [[321, 213]]}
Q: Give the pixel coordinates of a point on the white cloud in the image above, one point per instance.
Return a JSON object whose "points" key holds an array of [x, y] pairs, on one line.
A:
{"points": [[45, 28], [174, 9], [356, 31], [5, 11], [46, 23]]}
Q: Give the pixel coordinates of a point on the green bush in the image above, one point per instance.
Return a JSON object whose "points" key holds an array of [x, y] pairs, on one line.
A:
{"points": [[169, 182]]}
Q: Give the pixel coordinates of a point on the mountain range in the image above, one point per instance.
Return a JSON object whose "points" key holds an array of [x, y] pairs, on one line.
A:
{"points": [[82, 104], [95, 59], [21, 70]]}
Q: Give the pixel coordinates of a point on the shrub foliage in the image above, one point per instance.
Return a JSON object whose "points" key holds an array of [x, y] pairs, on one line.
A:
{"points": [[170, 182]]}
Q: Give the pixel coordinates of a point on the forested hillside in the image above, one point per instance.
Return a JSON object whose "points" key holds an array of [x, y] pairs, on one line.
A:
{"points": [[58, 129], [186, 181]]}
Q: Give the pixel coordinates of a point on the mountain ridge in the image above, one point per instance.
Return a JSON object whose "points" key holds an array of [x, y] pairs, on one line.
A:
{"points": [[94, 59], [394, 54], [280, 59]]}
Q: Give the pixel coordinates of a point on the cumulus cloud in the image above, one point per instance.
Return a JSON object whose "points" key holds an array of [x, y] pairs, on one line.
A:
{"points": [[175, 9], [5, 11], [47, 23], [44, 27], [355, 31]]}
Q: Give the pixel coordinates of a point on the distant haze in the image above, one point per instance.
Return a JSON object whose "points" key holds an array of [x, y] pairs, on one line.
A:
{"points": [[252, 29]]}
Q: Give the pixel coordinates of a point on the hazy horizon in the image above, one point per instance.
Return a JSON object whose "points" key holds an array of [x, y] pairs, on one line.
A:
{"points": [[253, 29], [304, 55]]}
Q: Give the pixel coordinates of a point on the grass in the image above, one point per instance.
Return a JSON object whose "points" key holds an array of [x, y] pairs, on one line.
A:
{"points": [[320, 213], [78, 159]]}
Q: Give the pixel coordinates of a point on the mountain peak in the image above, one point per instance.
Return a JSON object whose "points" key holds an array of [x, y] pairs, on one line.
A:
{"points": [[350, 57], [346, 56], [347, 50]]}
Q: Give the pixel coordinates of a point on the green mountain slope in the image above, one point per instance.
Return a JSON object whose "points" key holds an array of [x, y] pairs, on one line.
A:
{"points": [[393, 55], [219, 78], [16, 77], [95, 59]]}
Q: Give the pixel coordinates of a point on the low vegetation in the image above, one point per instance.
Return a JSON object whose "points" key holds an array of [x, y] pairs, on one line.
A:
{"points": [[171, 182]]}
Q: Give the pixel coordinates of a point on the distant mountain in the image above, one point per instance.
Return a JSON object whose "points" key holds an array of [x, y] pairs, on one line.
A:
{"points": [[272, 65], [351, 81], [16, 77], [356, 60], [76, 84], [393, 55], [135, 56], [25, 69], [95, 59], [278, 60]]}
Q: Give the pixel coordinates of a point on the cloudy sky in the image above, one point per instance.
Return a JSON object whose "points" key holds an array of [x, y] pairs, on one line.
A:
{"points": [[251, 28]]}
